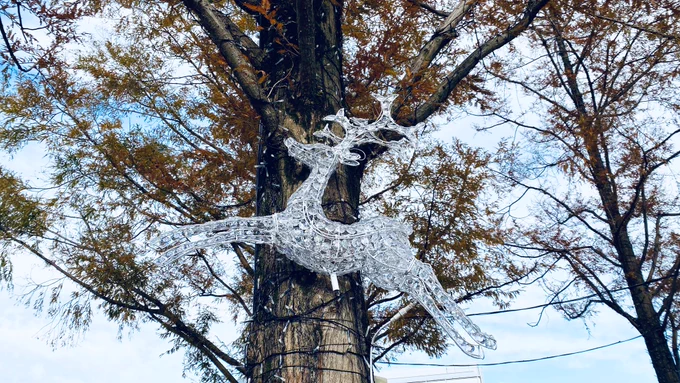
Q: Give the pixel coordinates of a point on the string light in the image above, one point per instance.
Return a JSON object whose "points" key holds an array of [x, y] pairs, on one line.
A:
{"points": [[378, 247]]}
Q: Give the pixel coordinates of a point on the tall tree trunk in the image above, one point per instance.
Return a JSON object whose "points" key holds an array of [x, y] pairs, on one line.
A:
{"points": [[659, 352], [301, 331], [648, 321]]}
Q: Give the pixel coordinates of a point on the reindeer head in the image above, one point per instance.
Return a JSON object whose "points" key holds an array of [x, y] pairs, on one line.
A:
{"points": [[358, 131], [320, 155]]}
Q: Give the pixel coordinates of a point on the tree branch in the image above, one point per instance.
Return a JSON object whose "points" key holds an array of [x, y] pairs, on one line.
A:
{"points": [[9, 48], [242, 259], [565, 206], [248, 6], [247, 45], [454, 77], [610, 302], [441, 37], [428, 8], [187, 332], [91, 289], [244, 71], [190, 337], [233, 292]]}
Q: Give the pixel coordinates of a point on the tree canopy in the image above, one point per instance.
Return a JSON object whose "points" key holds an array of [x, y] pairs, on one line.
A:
{"points": [[601, 156]]}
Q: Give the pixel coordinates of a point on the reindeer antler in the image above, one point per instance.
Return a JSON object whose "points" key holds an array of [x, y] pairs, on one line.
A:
{"points": [[360, 131]]}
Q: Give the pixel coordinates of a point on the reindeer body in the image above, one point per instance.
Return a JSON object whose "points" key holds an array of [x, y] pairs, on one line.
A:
{"points": [[377, 247]]}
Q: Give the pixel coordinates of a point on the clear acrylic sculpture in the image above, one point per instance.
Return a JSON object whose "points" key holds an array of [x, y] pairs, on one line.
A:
{"points": [[377, 247]]}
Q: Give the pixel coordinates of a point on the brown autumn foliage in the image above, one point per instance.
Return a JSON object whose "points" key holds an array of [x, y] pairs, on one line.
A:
{"points": [[178, 118], [601, 153]]}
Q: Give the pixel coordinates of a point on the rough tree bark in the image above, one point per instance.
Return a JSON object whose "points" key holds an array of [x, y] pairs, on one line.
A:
{"points": [[301, 330]]}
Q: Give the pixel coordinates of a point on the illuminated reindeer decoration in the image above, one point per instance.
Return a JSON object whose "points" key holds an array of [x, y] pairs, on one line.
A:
{"points": [[377, 247]]}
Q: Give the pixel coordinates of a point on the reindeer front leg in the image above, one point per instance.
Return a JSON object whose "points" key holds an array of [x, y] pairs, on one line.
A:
{"points": [[399, 270], [432, 295]]}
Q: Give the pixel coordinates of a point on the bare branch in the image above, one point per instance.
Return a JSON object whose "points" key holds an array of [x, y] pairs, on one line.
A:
{"points": [[452, 79], [441, 37], [400, 340], [565, 206], [8, 45], [429, 8], [242, 259], [673, 276], [631, 25], [233, 292]]}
